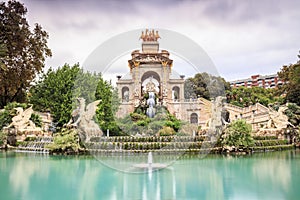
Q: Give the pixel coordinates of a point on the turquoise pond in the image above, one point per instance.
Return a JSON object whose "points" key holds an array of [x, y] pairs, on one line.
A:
{"points": [[31, 176]]}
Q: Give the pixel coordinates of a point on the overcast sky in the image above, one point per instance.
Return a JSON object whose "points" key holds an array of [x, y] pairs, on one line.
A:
{"points": [[242, 37]]}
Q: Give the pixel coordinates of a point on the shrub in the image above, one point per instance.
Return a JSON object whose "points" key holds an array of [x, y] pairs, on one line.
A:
{"points": [[136, 117], [142, 123], [66, 140], [166, 131], [238, 133], [265, 137]]}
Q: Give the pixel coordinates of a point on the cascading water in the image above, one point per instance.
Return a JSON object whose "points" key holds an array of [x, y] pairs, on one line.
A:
{"points": [[151, 103], [37, 145]]}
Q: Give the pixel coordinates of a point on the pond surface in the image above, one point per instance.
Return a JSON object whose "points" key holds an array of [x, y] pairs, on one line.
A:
{"points": [[30, 176]]}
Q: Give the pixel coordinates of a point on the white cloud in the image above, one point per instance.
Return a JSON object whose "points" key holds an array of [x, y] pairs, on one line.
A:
{"points": [[241, 37]]}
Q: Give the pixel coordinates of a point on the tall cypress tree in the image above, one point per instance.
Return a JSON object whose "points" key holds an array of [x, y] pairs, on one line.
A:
{"points": [[106, 108]]}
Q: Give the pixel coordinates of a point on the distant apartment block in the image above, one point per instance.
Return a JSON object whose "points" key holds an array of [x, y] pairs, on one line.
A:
{"points": [[267, 81]]}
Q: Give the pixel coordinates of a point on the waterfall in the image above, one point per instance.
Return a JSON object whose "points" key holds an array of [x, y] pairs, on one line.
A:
{"points": [[37, 145], [151, 103], [150, 158]]}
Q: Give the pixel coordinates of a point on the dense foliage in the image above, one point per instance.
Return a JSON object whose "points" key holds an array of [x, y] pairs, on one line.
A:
{"points": [[23, 52], [243, 96], [238, 133], [206, 86], [291, 77], [54, 92]]}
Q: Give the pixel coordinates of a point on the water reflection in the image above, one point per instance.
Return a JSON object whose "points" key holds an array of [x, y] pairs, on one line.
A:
{"points": [[22, 171], [260, 176]]}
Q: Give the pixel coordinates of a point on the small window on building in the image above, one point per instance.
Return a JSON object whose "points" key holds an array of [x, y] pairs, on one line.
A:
{"points": [[194, 118], [125, 94]]}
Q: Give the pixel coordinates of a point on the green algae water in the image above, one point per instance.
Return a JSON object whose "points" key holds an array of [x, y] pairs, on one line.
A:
{"points": [[30, 176]]}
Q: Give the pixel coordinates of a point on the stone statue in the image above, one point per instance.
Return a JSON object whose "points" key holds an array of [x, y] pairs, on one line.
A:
{"points": [[126, 95], [216, 122], [165, 92], [278, 119], [151, 36], [142, 36], [22, 119], [136, 103], [82, 118], [136, 92], [157, 36], [150, 86], [76, 114]]}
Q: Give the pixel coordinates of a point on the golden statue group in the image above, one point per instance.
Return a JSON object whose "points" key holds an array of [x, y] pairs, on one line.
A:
{"points": [[150, 35]]}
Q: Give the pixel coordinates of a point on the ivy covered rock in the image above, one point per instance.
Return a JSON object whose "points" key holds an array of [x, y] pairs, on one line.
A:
{"points": [[66, 141]]}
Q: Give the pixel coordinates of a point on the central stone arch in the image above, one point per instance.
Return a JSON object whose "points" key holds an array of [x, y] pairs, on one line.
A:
{"points": [[148, 74]]}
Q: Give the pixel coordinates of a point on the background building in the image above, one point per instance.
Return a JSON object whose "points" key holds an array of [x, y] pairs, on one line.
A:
{"points": [[266, 81]]}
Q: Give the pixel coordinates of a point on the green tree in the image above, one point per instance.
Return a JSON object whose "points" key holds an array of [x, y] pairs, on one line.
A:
{"points": [[115, 101], [291, 77], [53, 92], [206, 86], [238, 133], [189, 89], [26, 51]]}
